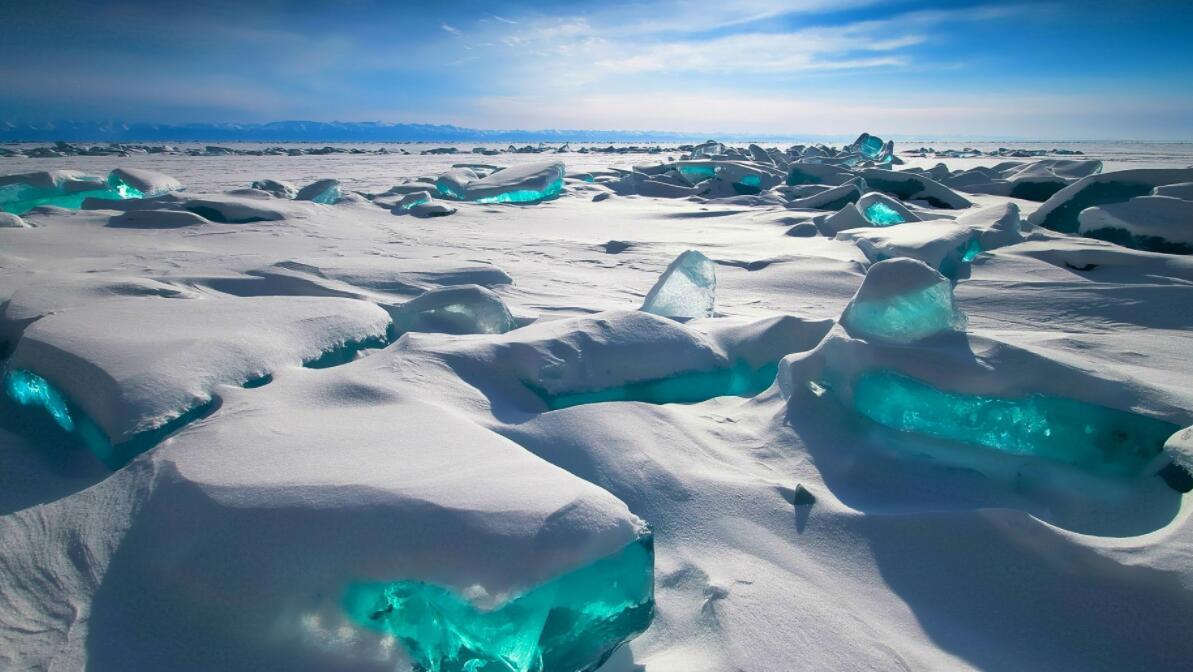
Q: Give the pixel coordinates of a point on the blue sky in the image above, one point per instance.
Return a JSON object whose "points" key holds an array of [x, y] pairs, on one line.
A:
{"points": [[1050, 70]]}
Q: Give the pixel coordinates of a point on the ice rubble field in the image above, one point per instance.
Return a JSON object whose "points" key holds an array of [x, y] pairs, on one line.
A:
{"points": [[743, 408]]}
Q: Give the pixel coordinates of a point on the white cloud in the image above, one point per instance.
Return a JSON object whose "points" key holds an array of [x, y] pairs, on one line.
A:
{"points": [[451, 29]]}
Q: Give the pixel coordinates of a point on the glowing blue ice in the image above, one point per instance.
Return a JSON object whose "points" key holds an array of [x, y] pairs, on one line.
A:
{"points": [[29, 389], [1095, 438], [572, 623], [20, 198], [525, 195], [697, 173], [881, 214]]}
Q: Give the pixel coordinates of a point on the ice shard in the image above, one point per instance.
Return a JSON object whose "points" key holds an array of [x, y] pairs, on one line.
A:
{"points": [[901, 301], [462, 309], [1099, 439], [881, 214], [572, 623], [687, 289], [326, 192]]}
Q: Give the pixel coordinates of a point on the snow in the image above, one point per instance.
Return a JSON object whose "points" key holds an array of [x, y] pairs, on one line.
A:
{"points": [[1158, 223], [795, 524]]}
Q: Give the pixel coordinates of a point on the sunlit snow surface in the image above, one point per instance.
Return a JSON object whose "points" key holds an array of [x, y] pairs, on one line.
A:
{"points": [[449, 479]]}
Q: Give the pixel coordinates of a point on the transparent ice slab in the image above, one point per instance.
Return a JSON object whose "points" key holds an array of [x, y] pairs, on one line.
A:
{"points": [[572, 623], [1095, 438]]}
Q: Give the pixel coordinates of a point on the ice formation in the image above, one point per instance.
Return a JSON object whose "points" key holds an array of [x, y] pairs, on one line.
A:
{"points": [[62, 188], [872, 148], [155, 219], [276, 188], [739, 380], [421, 204], [149, 363], [941, 244], [11, 221], [1060, 212], [326, 192], [833, 198], [573, 622], [230, 209], [1152, 223], [901, 301], [687, 289], [911, 187], [148, 183], [463, 309], [526, 183], [870, 210], [1098, 439]]}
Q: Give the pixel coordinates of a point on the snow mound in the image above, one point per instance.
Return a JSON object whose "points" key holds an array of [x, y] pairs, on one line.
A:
{"points": [[1152, 223], [233, 209], [1060, 212], [11, 221], [150, 183], [394, 489], [464, 309], [135, 365], [155, 219], [276, 188], [911, 187], [834, 198]]}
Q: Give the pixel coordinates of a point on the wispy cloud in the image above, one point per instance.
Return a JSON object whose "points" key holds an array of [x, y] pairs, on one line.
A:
{"points": [[451, 29]]}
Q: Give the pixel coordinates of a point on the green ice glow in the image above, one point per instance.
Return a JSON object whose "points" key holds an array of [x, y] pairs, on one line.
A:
{"points": [[870, 147], [525, 195], [906, 318], [21, 198], [697, 173], [1095, 438], [29, 389], [685, 388], [572, 623], [881, 214], [971, 250]]}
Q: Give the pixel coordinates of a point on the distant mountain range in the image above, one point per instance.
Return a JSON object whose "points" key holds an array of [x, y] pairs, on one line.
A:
{"points": [[334, 131]]}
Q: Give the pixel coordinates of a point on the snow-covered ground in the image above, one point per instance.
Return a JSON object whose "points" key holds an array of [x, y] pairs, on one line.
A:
{"points": [[252, 441]]}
